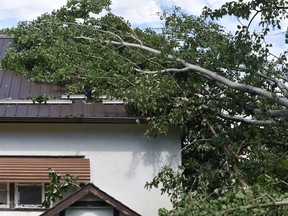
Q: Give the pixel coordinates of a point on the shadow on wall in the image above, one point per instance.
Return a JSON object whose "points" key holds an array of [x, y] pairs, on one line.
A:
{"points": [[155, 153], [45, 139]]}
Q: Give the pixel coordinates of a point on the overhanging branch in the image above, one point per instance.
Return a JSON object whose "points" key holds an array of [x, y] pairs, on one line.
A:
{"points": [[169, 70], [253, 121], [205, 72], [263, 205]]}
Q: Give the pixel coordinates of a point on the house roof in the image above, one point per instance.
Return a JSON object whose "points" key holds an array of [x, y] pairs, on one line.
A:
{"points": [[34, 169], [15, 106], [90, 189]]}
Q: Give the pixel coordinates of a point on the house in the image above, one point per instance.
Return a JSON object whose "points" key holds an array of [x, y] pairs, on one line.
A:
{"points": [[98, 142]]}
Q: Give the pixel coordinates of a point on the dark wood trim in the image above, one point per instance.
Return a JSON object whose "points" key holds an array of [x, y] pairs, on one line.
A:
{"points": [[22, 209], [12, 195], [116, 212], [62, 213], [90, 189], [100, 120]]}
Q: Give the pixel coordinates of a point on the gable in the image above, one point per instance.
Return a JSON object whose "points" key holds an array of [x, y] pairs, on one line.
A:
{"points": [[106, 203]]}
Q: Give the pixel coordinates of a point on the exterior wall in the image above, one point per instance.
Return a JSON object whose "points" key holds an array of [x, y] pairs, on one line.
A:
{"points": [[121, 159], [89, 212], [20, 213]]}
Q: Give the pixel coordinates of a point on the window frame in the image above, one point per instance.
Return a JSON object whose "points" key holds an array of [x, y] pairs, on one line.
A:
{"points": [[7, 205], [16, 196]]}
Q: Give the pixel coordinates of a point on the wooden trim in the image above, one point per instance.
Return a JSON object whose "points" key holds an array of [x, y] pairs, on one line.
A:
{"points": [[12, 195], [90, 189], [116, 212], [99, 120]]}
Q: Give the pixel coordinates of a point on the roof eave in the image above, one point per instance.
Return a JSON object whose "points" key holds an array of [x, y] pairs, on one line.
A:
{"points": [[99, 120]]}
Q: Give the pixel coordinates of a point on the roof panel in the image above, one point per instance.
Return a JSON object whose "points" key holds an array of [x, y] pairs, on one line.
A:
{"points": [[77, 108], [109, 110], [4, 44], [24, 92], [55, 111], [35, 89], [6, 84], [33, 110], [21, 110], [44, 111], [45, 89], [97, 109], [15, 87], [11, 110], [121, 112], [2, 110], [19, 88], [66, 111]]}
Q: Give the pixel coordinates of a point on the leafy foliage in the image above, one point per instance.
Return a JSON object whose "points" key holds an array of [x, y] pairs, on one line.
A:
{"points": [[226, 92], [57, 186]]}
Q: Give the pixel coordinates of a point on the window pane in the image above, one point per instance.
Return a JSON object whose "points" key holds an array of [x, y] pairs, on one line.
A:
{"points": [[30, 195], [3, 194]]}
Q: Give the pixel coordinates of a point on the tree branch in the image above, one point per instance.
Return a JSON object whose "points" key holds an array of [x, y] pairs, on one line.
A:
{"points": [[280, 84], [169, 70], [205, 72], [263, 205], [253, 121]]}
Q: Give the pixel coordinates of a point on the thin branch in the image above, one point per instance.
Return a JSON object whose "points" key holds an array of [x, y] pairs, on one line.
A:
{"points": [[89, 56], [252, 19], [193, 142], [127, 80], [133, 34], [280, 84], [169, 70], [271, 113], [280, 7], [283, 77], [228, 151], [110, 33], [96, 29], [263, 205], [253, 121]]}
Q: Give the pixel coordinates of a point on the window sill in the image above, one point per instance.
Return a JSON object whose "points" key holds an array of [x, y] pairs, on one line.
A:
{"points": [[22, 209]]}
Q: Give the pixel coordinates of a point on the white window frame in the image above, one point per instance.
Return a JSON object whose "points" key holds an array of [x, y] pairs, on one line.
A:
{"points": [[7, 205], [29, 206]]}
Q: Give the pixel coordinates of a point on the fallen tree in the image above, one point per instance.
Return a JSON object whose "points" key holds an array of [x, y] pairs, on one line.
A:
{"points": [[226, 92]]}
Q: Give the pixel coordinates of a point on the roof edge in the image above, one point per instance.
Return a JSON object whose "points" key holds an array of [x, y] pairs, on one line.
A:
{"points": [[5, 37], [100, 120], [87, 189]]}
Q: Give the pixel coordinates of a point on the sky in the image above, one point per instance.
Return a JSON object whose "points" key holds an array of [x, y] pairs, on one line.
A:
{"points": [[138, 12]]}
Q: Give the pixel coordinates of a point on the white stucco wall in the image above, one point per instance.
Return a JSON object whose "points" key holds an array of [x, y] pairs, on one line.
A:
{"points": [[89, 212], [121, 159], [20, 213]]}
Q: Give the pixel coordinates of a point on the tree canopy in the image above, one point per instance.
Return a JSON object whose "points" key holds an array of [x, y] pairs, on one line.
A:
{"points": [[226, 92]]}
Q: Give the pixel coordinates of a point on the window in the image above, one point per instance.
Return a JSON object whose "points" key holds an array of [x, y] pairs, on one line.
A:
{"points": [[29, 195], [4, 195]]}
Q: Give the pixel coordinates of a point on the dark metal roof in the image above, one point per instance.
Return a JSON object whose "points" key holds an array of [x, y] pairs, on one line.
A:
{"points": [[90, 189], [15, 87]]}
